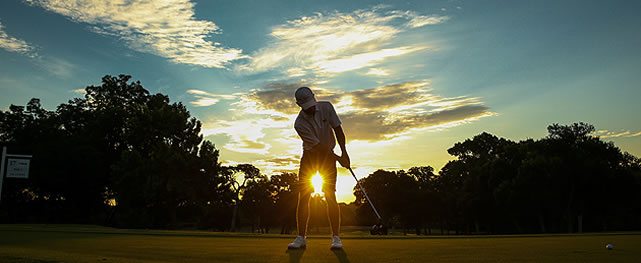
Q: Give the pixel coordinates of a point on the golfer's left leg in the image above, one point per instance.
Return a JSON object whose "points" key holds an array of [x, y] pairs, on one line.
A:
{"points": [[329, 189], [333, 210], [333, 213], [329, 173]]}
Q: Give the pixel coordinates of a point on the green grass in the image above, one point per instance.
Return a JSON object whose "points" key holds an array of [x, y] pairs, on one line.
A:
{"points": [[73, 243]]}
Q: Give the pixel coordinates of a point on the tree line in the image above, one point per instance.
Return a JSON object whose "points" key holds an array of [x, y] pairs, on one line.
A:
{"points": [[123, 157], [568, 182]]}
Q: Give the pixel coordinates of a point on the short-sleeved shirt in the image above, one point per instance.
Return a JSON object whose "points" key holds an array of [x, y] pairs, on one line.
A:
{"points": [[318, 128]]}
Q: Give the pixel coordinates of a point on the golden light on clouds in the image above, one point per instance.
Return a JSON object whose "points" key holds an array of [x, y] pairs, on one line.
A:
{"points": [[326, 44], [166, 28]]}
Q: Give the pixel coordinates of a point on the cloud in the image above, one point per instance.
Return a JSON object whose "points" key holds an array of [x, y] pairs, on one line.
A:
{"points": [[57, 66], [16, 45], [280, 164], [616, 134], [416, 20], [204, 98], [278, 98], [377, 72], [392, 110], [374, 126], [80, 91], [331, 43], [363, 60], [373, 114], [246, 135], [165, 28], [390, 96]]}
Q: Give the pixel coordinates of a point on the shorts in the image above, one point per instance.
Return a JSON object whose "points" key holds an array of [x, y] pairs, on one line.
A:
{"points": [[313, 162]]}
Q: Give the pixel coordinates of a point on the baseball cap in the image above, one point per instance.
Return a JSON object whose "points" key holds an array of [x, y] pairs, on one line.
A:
{"points": [[305, 98]]}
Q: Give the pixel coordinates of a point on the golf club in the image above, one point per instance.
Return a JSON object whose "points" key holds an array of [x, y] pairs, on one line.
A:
{"points": [[378, 229]]}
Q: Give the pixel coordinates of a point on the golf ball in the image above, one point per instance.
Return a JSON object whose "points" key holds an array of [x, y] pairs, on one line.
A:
{"points": [[609, 246]]}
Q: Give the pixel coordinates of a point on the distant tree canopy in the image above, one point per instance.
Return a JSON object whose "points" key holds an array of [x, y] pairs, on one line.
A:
{"points": [[569, 181], [121, 156]]}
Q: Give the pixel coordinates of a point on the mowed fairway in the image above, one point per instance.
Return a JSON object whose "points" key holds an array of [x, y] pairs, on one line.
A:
{"points": [[36, 243]]}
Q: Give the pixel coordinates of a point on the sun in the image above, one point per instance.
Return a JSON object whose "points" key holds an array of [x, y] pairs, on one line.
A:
{"points": [[317, 183]]}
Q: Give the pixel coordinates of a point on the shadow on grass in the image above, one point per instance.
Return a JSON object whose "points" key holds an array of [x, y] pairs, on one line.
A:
{"points": [[295, 255], [341, 255]]}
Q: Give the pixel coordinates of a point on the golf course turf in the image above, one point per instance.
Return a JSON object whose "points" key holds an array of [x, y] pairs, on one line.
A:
{"points": [[60, 243]]}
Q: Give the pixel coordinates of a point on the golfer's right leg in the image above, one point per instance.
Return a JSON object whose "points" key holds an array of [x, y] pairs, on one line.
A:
{"points": [[304, 193], [302, 219]]}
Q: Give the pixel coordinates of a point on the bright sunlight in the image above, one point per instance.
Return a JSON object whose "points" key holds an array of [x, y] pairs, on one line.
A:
{"points": [[317, 183]]}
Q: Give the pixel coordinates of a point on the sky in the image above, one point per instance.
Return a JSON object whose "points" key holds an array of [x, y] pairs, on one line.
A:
{"points": [[407, 78]]}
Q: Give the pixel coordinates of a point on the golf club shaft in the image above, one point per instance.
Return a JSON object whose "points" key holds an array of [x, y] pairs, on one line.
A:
{"points": [[365, 193]]}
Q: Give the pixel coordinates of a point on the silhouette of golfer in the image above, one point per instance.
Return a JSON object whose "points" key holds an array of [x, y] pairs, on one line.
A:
{"points": [[316, 124]]}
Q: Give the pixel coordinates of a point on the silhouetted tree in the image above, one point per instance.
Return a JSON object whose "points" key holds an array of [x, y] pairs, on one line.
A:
{"points": [[426, 197], [569, 181], [395, 195], [259, 204], [117, 145], [286, 198], [239, 176]]}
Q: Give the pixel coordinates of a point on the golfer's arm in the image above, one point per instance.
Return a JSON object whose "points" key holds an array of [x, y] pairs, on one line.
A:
{"points": [[340, 138]]}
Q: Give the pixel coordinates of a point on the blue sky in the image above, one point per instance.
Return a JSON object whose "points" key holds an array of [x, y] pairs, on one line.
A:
{"points": [[409, 78]]}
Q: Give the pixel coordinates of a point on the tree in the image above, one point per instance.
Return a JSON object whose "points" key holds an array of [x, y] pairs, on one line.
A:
{"points": [[426, 196], [395, 194], [238, 185], [260, 204], [286, 199], [119, 145], [475, 168]]}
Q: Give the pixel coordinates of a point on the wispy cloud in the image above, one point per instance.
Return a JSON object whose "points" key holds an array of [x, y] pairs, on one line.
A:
{"points": [[80, 91], [165, 28], [377, 72], [13, 44], [616, 134], [416, 20], [56, 66], [332, 43], [362, 60], [204, 98]]}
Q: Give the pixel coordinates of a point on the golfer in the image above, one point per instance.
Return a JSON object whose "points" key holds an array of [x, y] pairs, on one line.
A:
{"points": [[316, 125]]}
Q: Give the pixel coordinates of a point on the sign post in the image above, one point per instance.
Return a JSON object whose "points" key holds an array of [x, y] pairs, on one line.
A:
{"points": [[17, 167]]}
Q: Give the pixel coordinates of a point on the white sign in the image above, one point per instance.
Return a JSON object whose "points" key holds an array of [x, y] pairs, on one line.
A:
{"points": [[18, 168]]}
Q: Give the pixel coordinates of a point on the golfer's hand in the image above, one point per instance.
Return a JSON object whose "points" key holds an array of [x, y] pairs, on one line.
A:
{"points": [[344, 160]]}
